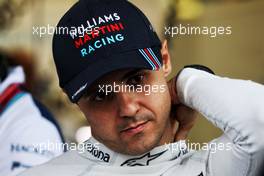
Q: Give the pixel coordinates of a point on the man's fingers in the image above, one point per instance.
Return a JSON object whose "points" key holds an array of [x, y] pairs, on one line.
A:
{"points": [[181, 134], [186, 118], [185, 115], [173, 91]]}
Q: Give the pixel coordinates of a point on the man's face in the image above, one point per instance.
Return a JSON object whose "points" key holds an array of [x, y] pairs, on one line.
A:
{"points": [[129, 122]]}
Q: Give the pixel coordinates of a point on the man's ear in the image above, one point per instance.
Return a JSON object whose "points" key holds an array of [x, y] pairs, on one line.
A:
{"points": [[166, 60]]}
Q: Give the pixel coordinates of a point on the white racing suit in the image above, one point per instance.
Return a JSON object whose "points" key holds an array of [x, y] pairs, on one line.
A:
{"points": [[235, 106], [25, 125]]}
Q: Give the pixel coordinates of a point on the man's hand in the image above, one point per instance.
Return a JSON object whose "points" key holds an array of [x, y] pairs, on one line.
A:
{"points": [[184, 115]]}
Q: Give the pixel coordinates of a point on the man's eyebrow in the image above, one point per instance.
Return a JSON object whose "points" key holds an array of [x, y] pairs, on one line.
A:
{"points": [[129, 73]]}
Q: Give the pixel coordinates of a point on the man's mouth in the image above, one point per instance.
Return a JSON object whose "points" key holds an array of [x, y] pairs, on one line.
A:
{"points": [[135, 128]]}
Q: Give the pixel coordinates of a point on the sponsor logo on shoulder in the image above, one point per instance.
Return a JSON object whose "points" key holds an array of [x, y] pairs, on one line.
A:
{"points": [[30, 149]]}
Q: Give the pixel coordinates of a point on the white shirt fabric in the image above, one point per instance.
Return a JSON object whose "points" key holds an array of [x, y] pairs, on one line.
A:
{"points": [[235, 106], [22, 130]]}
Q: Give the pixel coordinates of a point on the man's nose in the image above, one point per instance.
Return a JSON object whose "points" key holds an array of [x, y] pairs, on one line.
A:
{"points": [[127, 104]]}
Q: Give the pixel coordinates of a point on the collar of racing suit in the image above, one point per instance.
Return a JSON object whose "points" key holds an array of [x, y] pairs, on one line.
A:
{"points": [[101, 154], [10, 88], [15, 75]]}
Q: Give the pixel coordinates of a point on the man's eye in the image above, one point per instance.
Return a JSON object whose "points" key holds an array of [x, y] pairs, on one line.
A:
{"points": [[99, 96], [136, 80]]}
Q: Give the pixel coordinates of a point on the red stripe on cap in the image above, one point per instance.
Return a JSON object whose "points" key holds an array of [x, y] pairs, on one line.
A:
{"points": [[152, 59]]}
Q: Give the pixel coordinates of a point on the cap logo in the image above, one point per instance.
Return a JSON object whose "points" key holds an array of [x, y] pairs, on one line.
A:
{"points": [[151, 58], [79, 91], [100, 32]]}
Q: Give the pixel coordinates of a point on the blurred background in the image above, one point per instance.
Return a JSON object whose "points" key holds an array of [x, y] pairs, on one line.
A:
{"points": [[239, 55]]}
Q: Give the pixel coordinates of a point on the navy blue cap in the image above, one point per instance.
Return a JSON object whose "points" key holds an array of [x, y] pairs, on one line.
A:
{"points": [[96, 37]]}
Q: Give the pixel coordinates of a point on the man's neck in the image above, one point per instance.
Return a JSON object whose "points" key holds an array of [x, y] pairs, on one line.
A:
{"points": [[169, 133]]}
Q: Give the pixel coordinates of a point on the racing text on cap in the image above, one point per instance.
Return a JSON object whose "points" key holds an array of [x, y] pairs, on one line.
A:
{"points": [[96, 38]]}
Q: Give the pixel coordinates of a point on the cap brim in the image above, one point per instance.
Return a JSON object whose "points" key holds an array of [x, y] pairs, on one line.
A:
{"points": [[131, 59]]}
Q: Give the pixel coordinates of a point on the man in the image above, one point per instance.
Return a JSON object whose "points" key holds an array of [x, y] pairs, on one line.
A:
{"points": [[116, 73], [26, 127]]}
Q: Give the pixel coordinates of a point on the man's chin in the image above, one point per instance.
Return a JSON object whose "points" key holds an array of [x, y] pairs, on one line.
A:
{"points": [[139, 147]]}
